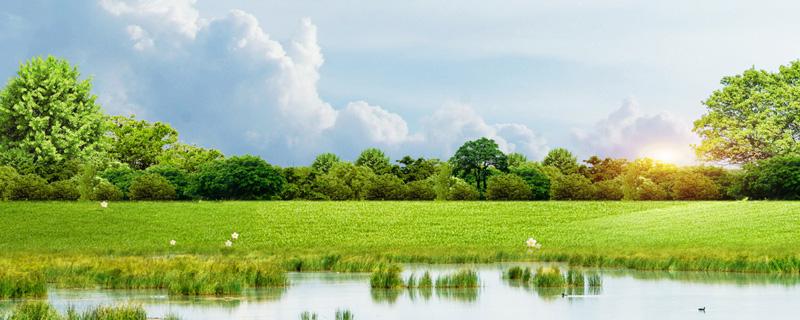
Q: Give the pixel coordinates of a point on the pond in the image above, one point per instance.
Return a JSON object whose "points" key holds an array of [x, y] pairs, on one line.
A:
{"points": [[624, 295]]}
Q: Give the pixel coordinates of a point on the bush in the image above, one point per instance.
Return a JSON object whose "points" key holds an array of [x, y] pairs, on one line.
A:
{"points": [[536, 179], [121, 176], [104, 190], [572, 187], [178, 178], [508, 187], [7, 177], [29, 187], [609, 190], [774, 178], [420, 190], [64, 190], [385, 187], [333, 188], [151, 186], [688, 185], [243, 178], [463, 191]]}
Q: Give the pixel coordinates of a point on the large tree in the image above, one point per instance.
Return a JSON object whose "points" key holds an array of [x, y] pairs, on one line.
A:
{"points": [[139, 143], [49, 120], [374, 159], [755, 115], [476, 157], [563, 160]]}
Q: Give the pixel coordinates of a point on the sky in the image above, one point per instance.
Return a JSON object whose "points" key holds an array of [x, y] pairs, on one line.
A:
{"points": [[287, 80]]}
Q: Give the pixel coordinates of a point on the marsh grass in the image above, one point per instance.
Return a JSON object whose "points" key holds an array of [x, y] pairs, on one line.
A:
{"points": [[518, 273], [39, 310], [307, 315], [464, 278], [425, 281], [16, 285], [549, 278], [386, 277], [344, 315], [595, 280]]}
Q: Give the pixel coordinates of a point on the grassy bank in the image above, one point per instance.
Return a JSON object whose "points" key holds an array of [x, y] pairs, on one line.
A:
{"points": [[352, 236]]}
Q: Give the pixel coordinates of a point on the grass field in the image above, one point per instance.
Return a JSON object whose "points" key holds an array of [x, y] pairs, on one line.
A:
{"points": [[727, 236]]}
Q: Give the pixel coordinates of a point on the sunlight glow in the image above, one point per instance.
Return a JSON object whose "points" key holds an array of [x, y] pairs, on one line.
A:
{"points": [[661, 154]]}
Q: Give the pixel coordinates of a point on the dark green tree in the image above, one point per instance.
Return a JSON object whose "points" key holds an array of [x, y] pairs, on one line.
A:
{"points": [[538, 181], [324, 162], [374, 159], [411, 169], [508, 187], [563, 160], [476, 157], [242, 178]]}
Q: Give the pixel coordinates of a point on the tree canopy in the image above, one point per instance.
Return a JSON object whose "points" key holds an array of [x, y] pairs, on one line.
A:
{"points": [[139, 143], [476, 157]]}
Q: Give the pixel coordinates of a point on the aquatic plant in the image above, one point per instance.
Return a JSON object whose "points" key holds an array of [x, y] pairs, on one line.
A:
{"points": [[518, 273], [16, 285], [386, 277], [411, 281], [464, 278], [306, 315], [575, 279], [425, 281], [548, 277], [40, 310], [344, 315], [595, 280]]}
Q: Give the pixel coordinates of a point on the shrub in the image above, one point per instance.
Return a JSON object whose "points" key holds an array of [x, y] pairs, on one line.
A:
{"points": [[420, 190], [7, 177], [774, 178], [64, 190], [104, 190], [649, 190], [121, 176], [243, 178], [571, 187], [29, 187], [536, 179], [151, 186], [385, 187], [508, 187], [688, 185], [609, 190], [178, 178], [333, 188], [463, 191]]}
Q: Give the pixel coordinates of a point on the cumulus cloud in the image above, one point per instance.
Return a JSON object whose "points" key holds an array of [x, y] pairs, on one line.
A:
{"points": [[223, 82], [628, 133]]}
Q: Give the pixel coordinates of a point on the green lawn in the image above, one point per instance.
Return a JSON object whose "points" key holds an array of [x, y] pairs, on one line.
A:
{"points": [[434, 231]]}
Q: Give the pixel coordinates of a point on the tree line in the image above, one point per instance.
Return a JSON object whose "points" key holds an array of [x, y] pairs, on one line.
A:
{"points": [[57, 144]]}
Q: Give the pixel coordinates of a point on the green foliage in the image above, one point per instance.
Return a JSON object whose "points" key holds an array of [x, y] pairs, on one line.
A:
{"points": [[300, 184], [537, 180], [463, 191], [121, 176], [572, 187], [691, 185], [425, 281], [41, 310], [177, 177], [465, 278], [774, 178], [609, 190], [87, 181], [29, 187], [64, 190], [15, 285], [357, 179], [106, 191], [324, 162], [475, 158], [306, 315], [245, 178], [516, 159], [187, 157], [35, 310], [151, 186], [645, 179], [603, 169], [344, 315], [420, 190], [415, 170], [752, 117], [442, 181], [386, 277], [332, 188], [374, 159], [385, 187], [8, 176], [139, 143], [518, 273], [508, 187], [549, 278], [563, 160], [49, 119]]}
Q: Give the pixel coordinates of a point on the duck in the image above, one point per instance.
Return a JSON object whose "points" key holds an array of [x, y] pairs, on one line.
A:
{"points": [[701, 309]]}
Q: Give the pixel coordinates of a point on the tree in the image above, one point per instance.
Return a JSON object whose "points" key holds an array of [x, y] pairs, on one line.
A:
{"points": [[374, 159], [690, 185], [299, 184], [572, 187], [324, 162], [476, 157], [754, 116], [139, 143], [356, 178], [332, 188], [385, 187], [104, 190], [562, 159], [516, 159], [121, 176], [463, 191], [49, 121], [442, 181], [537, 180], [243, 178], [645, 179], [603, 169], [177, 177], [420, 190], [508, 187], [152, 186], [187, 157], [411, 169], [7, 177], [609, 189]]}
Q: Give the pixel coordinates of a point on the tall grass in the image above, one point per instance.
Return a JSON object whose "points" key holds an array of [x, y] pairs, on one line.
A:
{"points": [[38, 310], [518, 273], [464, 278], [548, 278], [425, 281], [344, 315], [386, 277], [306, 315], [16, 285]]}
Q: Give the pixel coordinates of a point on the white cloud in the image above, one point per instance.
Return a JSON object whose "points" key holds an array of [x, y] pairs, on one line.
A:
{"points": [[628, 133], [373, 124], [169, 15], [141, 39]]}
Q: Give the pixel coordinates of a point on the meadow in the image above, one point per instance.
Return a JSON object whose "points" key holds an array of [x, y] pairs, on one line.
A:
{"points": [[747, 236]]}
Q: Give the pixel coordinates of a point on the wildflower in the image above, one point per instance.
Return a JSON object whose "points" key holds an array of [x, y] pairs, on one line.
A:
{"points": [[173, 242], [235, 235], [104, 204], [228, 243], [533, 244]]}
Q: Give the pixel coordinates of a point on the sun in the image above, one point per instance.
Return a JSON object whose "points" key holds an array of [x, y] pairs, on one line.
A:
{"points": [[661, 154]]}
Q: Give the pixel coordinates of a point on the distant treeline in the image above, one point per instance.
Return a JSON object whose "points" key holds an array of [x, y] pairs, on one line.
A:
{"points": [[57, 144]]}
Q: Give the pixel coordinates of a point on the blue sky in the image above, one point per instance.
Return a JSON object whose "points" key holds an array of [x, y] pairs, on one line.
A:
{"points": [[289, 79]]}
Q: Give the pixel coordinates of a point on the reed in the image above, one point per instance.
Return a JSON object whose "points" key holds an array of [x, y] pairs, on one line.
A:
{"points": [[344, 315], [464, 278], [39, 310], [386, 277], [306, 315], [16, 285], [548, 278], [518, 273]]}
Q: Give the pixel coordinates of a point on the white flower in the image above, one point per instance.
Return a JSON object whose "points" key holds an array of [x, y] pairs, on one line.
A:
{"points": [[235, 235], [104, 204], [531, 243], [173, 242], [228, 243]]}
